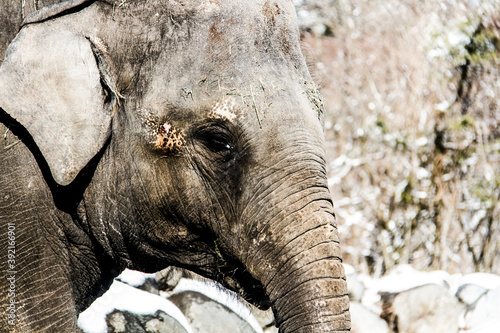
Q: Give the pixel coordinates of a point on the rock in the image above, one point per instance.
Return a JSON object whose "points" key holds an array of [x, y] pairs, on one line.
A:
{"points": [[164, 323], [117, 322], [470, 293], [483, 318], [126, 322], [400, 279], [208, 316], [365, 321], [220, 295], [429, 308], [150, 286]]}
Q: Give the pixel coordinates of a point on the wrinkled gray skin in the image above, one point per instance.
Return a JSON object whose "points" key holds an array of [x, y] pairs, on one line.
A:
{"points": [[155, 133]]}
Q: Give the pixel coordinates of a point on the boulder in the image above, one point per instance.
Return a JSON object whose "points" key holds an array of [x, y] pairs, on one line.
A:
{"points": [[127, 322], [483, 317], [429, 308], [470, 293], [220, 295], [208, 316]]}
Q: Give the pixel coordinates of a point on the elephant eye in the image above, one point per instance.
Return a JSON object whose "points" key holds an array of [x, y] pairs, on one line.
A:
{"points": [[217, 138]]}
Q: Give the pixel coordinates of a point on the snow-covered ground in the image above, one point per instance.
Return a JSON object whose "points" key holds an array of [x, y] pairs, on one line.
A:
{"points": [[124, 297], [476, 294]]}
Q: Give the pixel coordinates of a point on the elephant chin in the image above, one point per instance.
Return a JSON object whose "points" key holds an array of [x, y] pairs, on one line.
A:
{"points": [[235, 277]]}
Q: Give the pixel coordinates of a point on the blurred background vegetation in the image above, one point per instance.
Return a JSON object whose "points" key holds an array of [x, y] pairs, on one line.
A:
{"points": [[412, 93]]}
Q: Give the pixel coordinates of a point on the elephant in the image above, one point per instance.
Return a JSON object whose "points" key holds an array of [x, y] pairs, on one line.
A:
{"points": [[148, 134]]}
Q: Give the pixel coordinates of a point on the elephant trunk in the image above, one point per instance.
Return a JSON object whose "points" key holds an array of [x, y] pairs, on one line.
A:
{"points": [[295, 248], [309, 291], [305, 279]]}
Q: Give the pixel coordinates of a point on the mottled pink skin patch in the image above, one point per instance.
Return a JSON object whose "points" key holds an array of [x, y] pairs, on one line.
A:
{"points": [[164, 129], [224, 110], [169, 139]]}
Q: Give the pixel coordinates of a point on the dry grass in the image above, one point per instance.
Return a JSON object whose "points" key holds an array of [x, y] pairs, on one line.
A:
{"points": [[411, 92]]}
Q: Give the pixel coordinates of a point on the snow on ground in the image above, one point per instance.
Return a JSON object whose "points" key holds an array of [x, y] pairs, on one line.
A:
{"points": [[479, 316], [405, 277], [134, 278], [488, 281], [123, 297]]}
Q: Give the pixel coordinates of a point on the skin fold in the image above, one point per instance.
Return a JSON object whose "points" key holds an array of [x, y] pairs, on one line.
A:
{"points": [[184, 133]]}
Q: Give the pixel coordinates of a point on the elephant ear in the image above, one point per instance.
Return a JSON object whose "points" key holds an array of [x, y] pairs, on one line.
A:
{"points": [[51, 84]]}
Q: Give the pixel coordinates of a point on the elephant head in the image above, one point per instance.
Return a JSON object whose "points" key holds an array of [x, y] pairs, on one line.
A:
{"points": [[183, 133]]}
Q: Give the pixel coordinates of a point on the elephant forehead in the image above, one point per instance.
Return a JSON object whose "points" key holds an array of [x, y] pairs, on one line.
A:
{"points": [[224, 35], [189, 110], [218, 5]]}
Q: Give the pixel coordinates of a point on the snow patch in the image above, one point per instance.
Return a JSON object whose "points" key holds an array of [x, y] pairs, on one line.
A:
{"points": [[485, 280], [134, 278], [123, 297], [405, 277]]}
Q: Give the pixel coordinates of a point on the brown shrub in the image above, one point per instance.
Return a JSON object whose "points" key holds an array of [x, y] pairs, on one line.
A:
{"points": [[411, 90]]}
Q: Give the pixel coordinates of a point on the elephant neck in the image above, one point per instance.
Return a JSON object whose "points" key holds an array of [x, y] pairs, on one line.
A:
{"points": [[94, 263]]}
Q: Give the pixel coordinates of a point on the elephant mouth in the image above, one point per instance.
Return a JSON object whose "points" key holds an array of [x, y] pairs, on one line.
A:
{"points": [[234, 276]]}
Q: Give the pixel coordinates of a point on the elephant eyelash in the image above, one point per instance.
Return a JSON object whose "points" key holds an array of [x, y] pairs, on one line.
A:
{"points": [[217, 142], [217, 138]]}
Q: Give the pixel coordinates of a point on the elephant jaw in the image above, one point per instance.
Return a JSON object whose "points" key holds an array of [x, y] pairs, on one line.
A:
{"points": [[234, 276]]}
